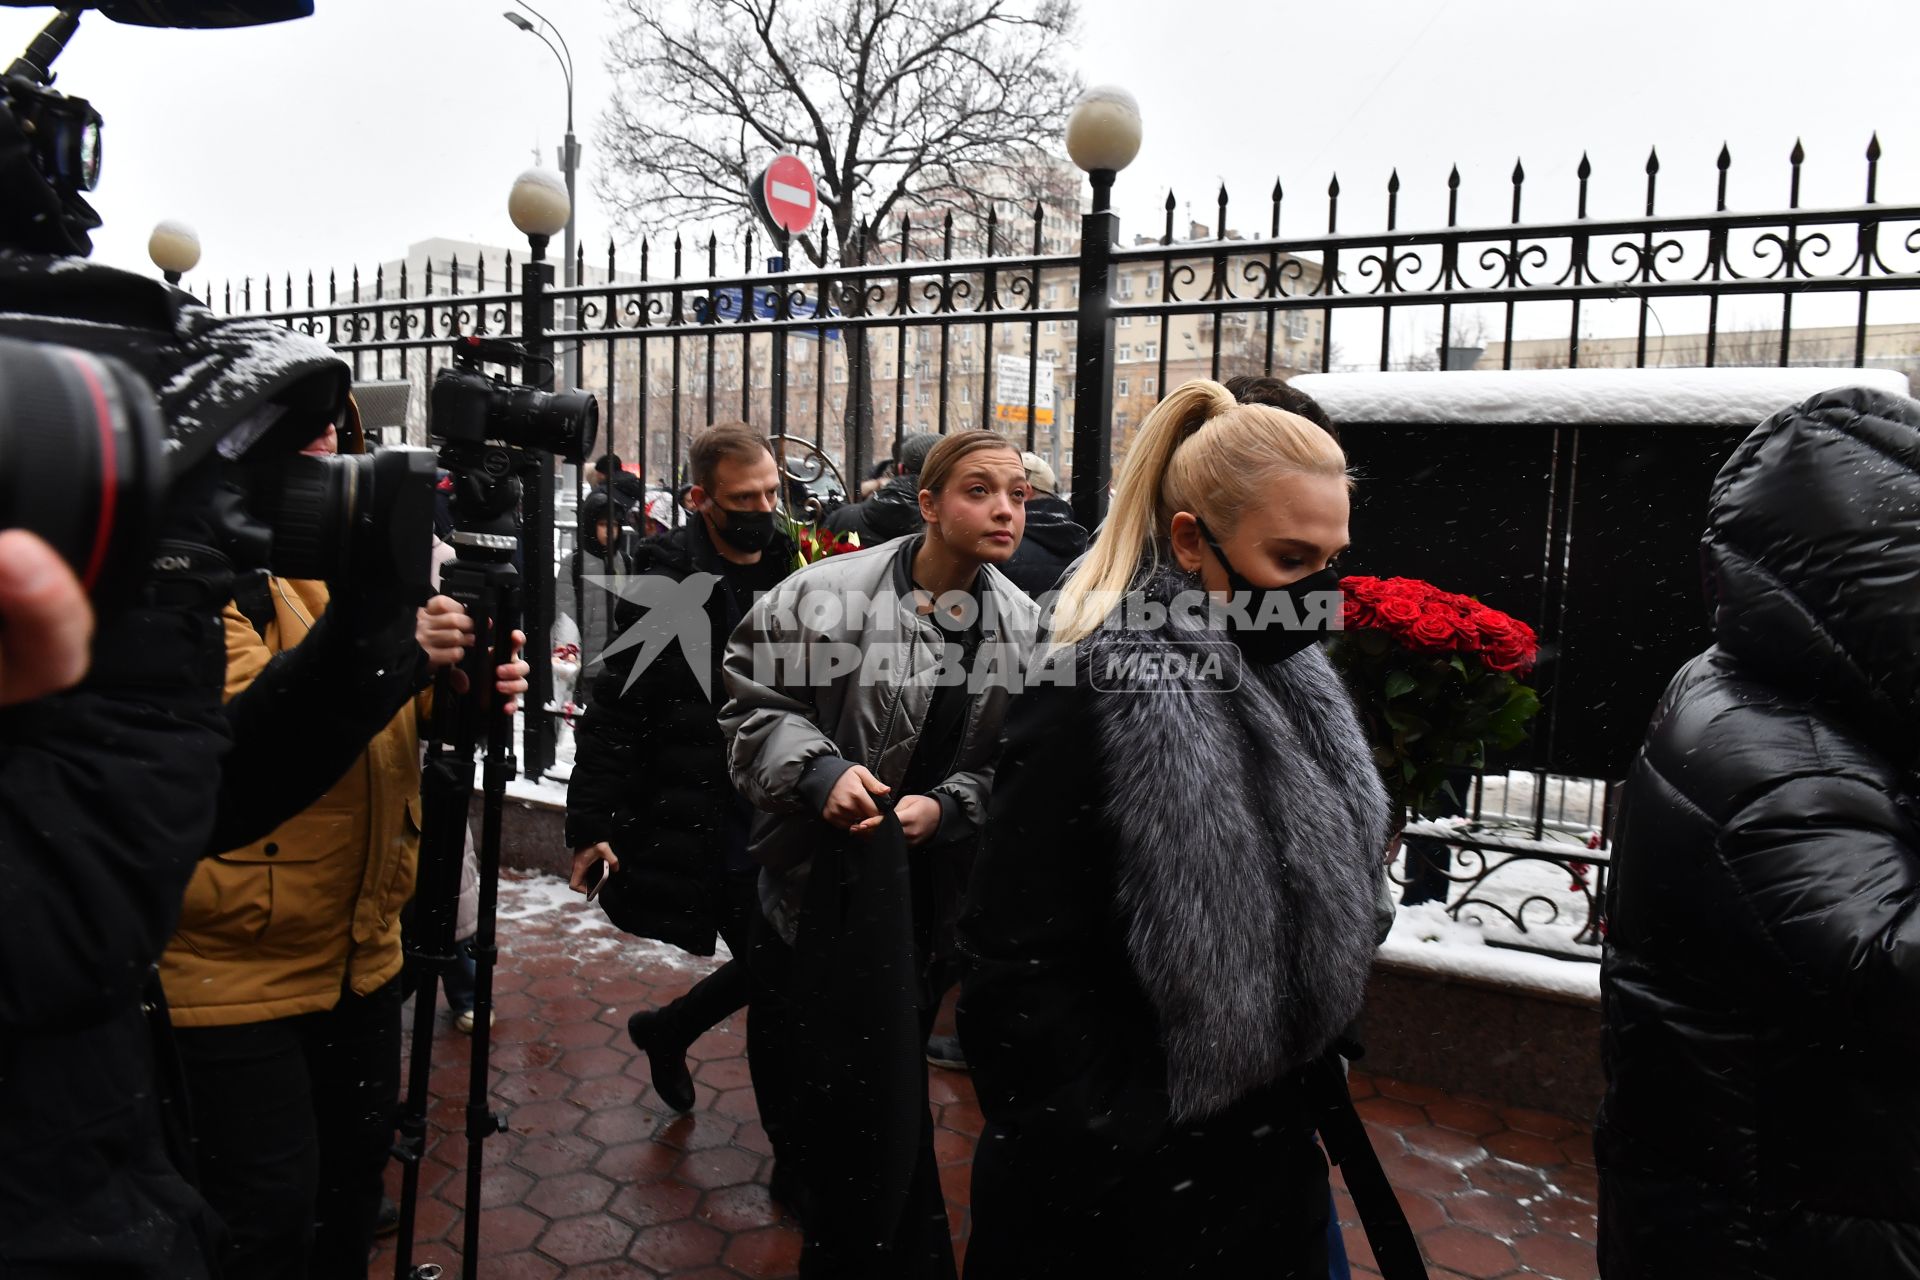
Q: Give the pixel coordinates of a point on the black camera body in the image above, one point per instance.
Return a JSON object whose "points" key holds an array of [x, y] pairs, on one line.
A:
{"points": [[470, 409], [492, 433]]}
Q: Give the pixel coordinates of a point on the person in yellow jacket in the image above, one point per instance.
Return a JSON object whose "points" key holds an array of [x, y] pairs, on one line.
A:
{"points": [[283, 981]]}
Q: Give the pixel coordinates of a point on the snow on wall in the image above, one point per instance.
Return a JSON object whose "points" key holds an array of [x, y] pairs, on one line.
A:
{"points": [[1576, 397]]}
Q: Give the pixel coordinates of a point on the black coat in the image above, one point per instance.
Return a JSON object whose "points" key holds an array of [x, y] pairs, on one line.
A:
{"points": [[1051, 543], [97, 843], [650, 766], [1146, 976], [892, 511], [1761, 984]]}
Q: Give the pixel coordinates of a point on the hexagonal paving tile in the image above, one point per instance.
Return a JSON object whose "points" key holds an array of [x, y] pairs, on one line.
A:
{"points": [[598, 1180]]}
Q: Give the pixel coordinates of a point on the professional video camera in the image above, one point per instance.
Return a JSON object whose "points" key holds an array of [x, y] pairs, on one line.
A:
{"points": [[492, 431], [90, 455]]}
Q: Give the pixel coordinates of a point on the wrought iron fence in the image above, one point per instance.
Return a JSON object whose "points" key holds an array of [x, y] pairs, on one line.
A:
{"points": [[935, 325]]}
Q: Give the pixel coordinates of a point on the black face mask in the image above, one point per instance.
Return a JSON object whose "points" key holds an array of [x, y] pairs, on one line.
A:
{"points": [[745, 530], [1274, 642]]}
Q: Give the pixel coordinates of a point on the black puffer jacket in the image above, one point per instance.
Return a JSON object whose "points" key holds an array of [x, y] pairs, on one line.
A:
{"points": [[650, 766], [1762, 977]]}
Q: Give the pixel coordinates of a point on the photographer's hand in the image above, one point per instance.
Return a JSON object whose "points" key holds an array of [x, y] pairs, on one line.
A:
{"points": [[46, 624], [445, 633]]}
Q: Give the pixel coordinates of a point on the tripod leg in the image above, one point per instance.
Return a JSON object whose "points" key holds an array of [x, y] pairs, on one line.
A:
{"points": [[445, 784], [502, 608]]}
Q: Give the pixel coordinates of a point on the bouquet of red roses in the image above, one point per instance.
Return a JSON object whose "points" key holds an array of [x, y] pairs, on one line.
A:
{"points": [[811, 543], [1436, 679]]}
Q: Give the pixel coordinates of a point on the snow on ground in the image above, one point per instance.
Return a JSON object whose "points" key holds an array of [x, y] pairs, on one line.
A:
{"points": [[535, 905]]}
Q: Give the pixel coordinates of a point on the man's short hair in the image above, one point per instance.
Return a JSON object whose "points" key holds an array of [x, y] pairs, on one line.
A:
{"points": [[912, 452], [1249, 388], [736, 440], [608, 464]]}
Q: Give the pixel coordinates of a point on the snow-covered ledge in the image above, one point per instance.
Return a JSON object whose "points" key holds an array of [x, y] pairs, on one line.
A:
{"points": [[1427, 942], [549, 792]]}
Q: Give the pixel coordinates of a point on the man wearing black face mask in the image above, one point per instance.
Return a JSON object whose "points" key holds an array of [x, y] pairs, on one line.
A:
{"points": [[650, 796]]}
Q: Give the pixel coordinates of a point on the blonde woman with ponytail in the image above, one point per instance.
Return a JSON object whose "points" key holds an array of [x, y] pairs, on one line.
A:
{"points": [[1173, 914]]}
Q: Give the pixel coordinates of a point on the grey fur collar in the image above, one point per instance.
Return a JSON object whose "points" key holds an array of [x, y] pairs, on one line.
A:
{"points": [[1251, 829]]}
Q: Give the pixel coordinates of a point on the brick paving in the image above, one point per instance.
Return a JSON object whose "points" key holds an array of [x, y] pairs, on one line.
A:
{"points": [[597, 1178]]}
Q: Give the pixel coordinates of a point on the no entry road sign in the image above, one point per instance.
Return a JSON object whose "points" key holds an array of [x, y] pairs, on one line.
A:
{"points": [[785, 195]]}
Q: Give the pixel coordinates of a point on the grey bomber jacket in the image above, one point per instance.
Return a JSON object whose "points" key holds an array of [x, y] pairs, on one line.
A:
{"points": [[835, 668]]}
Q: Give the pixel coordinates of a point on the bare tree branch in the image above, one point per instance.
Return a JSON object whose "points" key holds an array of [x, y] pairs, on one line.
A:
{"points": [[885, 99]]}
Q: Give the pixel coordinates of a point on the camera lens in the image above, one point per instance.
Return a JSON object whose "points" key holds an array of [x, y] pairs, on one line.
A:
{"points": [[311, 504], [566, 422], [81, 460]]}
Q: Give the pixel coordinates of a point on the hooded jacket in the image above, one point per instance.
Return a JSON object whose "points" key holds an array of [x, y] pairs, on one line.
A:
{"points": [[1761, 985], [593, 605]]}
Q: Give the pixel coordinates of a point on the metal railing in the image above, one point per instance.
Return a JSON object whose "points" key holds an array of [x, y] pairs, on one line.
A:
{"points": [[920, 326]]}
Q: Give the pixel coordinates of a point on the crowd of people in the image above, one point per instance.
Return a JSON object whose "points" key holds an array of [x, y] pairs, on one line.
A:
{"points": [[1160, 909], [1157, 894], [865, 840]]}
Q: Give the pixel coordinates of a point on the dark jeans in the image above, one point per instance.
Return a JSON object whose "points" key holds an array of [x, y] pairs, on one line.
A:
{"points": [[459, 978], [293, 1120]]}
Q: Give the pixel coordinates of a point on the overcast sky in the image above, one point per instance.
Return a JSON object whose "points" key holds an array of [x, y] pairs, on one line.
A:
{"points": [[342, 138]]}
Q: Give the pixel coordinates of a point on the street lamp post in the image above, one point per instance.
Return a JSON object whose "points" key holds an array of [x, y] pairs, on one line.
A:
{"points": [[1103, 136], [175, 249], [569, 166], [539, 207]]}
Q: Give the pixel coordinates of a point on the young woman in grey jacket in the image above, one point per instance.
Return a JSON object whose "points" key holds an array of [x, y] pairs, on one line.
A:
{"points": [[866, 695]]}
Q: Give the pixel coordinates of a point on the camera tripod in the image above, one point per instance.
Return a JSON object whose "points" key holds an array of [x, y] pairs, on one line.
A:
{"points": [[487, 586]]}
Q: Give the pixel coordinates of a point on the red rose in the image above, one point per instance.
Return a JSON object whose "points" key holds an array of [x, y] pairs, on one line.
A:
{"points": [[1397, 610], [1437, 630], [1356, 611], [1511, 656]]}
